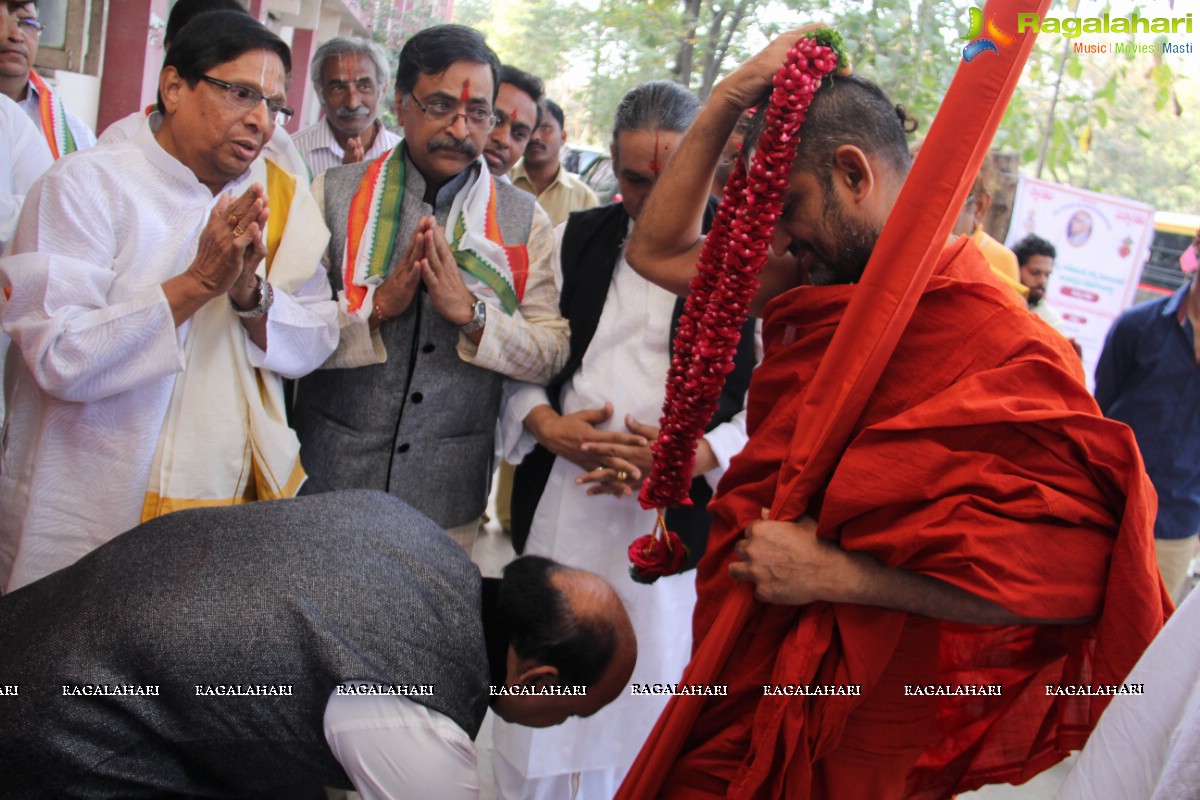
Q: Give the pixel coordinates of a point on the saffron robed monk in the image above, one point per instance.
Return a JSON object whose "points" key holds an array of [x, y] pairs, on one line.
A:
{"points": [[983, 525], [156, 307]]}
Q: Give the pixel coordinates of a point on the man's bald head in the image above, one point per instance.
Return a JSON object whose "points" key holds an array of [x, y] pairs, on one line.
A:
{"points": [[568, 628]]}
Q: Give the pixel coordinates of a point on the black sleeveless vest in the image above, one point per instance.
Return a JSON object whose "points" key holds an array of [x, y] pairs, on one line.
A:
{"points": [[590, 248]]}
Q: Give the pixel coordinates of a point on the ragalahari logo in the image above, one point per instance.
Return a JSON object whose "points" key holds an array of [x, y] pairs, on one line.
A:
{"points": [[994, 38]]}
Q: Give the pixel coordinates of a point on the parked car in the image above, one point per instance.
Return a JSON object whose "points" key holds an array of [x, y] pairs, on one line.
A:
{"points": [[599, 175], [578, 157]]}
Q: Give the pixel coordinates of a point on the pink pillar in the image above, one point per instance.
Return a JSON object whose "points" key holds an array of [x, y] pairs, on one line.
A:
{"points": [[131, 63], [258, 10], [304, 44]]}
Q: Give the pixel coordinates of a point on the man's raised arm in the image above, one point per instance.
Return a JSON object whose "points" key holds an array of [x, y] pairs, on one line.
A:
{"points": [[666, 242]]}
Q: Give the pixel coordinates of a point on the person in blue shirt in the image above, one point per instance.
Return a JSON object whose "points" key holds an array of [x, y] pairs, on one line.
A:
{"points": [[1148, 377]]}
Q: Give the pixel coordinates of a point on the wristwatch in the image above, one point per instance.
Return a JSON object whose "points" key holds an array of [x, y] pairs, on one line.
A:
{"points": [[264, 295], [478, 321]]}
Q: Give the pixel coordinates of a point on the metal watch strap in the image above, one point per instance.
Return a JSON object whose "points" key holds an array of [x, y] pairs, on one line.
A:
{"points": [[478, 321], [266, 296]]}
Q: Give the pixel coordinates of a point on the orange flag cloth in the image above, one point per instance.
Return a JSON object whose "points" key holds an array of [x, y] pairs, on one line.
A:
{"points": [[1009, 485]]}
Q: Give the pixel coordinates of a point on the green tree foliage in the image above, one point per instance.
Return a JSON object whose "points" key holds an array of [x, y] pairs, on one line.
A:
{"points": [[1086, 119]]}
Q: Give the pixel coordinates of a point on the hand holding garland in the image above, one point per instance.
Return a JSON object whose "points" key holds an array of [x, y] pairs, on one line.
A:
{"points": [[731, 259]]}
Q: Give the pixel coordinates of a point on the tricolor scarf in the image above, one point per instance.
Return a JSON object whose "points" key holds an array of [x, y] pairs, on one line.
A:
{"points": [[225, 438], [493, 269], [54, 119]]}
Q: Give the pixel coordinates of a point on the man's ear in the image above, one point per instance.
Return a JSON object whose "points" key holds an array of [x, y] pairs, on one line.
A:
{"points": [[853, 173], [536, 676], [170, 84], [399, 108]]}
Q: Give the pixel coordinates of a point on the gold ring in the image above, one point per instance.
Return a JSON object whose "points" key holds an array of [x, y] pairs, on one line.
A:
{"points": [[622, 475], [232, 220], [238, 231]]}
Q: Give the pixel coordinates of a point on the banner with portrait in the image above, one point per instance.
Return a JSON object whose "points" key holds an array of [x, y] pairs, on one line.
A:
{"points": [[1101, 242]]}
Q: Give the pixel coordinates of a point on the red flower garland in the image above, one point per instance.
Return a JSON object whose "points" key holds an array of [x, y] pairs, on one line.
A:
{"points": [[732, 258]]}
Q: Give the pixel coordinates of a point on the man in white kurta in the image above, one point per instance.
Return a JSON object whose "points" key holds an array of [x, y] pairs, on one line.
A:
{"points": [[106, 240], [23, 158], [625, 364]]}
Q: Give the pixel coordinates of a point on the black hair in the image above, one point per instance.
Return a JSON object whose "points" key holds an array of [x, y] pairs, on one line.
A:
{"points": [[528, 83], [433, 50], [542, 626], [847, 110], [555, 110], [218, 37], [184, 10], [1033, 245], [656, 106]]}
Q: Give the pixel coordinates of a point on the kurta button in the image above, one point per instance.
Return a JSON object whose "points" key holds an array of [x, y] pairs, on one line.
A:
{"points": [[417, 397], [402, 448], [428, 348]]}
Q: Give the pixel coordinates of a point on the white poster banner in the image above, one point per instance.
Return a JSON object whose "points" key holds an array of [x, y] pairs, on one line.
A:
{"points": [[1101, 243]]}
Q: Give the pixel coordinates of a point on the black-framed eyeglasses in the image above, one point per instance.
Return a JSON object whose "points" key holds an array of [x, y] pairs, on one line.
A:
{"points": [[244, 98], [442, 112]]}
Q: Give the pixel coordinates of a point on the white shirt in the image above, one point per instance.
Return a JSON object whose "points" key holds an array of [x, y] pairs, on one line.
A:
{"points": [[279, 148], [322, 152], [79, 129], [98, 347], [393, 748], [1147, 747], [24, 156]]}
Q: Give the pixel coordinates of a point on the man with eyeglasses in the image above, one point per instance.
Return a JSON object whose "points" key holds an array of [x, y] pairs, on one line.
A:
{"points": [[280, 148], [156, 307], [349, 75], [445, 287], [64, 132]]}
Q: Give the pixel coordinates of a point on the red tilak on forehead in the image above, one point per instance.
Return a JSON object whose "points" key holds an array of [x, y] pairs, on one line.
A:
{"points": [[655, 165], [466, 92], [512, 115]]}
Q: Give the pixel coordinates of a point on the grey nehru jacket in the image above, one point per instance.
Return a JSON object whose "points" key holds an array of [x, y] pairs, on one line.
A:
{"points": [[421, 425], [307, 593]]}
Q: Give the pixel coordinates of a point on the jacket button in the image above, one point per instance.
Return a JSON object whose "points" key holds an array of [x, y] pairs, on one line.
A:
{"points": [[402, 448], [428, 348], [417, 397]]}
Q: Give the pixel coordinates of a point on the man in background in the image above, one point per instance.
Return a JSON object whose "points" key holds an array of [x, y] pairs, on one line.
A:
{"points": [[1148, 377], [350, 76], [541, 172], [64, 132], [1035, 259], [517, 114]]}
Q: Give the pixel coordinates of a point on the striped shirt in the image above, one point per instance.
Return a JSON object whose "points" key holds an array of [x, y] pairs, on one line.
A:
{"points": [[322, 152]]}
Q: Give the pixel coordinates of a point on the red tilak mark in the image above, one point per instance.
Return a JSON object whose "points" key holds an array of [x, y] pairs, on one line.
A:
{"points": [[466, 92], [512, 115], [655, 167]]}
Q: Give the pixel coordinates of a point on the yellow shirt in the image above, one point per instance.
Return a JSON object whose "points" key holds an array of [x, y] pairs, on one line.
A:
{"points": [[1002, 260], [566, 194]]}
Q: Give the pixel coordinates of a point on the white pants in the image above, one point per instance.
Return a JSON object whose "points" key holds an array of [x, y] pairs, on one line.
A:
{"points": [[596, 784]]}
